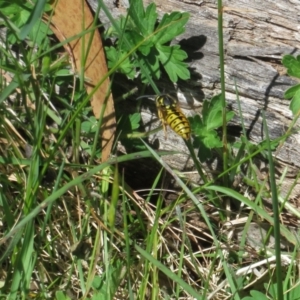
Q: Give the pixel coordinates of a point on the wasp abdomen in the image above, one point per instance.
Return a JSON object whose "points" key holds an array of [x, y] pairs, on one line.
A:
{"points": [[179, 123], [170, 113]]}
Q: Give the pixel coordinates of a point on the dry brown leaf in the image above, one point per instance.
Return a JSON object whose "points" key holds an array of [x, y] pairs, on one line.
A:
{"points": [[66, 22]]}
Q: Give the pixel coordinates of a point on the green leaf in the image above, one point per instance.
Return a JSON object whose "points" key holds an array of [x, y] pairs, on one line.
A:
{"points": [[89, 126], [212, 140], [9, 9], [21, 17], [289, 93], [171, 26], [59, 295], [129, 123], [258, 295], [62, 73], [197, 124], [39, 32], [288, 60], [214, 119], [272, 289], [34, 19], [171, 58], [295, 103], [114, 57], [295, 292], [229, 116], [120, 25], [102, 286], [136, 39], [211, 112], [137, 13], [25, 20], [97, 282], [151, 17], [135, 120], [16, 21], [46, 61], [138, 32], [204, 129], [255, 296], [292, 64], [204, 139], [204, 153], [151, 65]]}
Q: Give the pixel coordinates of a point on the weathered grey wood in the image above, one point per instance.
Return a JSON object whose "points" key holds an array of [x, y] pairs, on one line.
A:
{"points": [[256, 36]]}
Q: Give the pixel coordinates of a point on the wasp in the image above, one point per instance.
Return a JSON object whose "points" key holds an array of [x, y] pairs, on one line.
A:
{"points": [[170, 114]]}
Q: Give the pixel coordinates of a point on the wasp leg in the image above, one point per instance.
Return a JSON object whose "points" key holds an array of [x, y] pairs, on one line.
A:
{"points": [[165, 129], [161, 116]]}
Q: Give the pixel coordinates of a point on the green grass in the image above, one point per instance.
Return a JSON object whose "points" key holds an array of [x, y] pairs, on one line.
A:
{"points": [[74, 228]]}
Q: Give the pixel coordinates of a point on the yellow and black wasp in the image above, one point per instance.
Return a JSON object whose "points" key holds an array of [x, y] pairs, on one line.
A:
{"points": [[170, 114]]}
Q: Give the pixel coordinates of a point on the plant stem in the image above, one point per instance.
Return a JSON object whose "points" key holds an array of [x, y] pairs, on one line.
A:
{"points": [[222, 73]]}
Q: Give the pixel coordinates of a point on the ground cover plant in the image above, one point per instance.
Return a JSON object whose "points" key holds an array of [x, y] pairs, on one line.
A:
{"points": [[72, 225]]}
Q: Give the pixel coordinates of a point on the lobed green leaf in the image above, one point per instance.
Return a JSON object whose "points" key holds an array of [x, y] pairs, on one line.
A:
{"points": [[289, 93], [171, 26], [171, 58], [150, 17], [292, 64], [137, 13]]}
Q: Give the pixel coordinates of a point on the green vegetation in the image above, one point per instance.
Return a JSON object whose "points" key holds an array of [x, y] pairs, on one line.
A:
{"points": [[293, 67], [73, 227], [138, 30]]}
